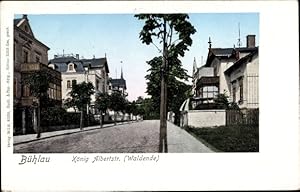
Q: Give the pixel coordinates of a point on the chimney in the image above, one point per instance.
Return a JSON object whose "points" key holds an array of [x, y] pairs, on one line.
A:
{"points": [[250, 41], [25, 16], [77, 56]]}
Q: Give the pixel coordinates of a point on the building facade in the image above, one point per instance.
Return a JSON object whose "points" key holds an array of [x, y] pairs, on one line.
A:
{"points": [[30, 56], [118, 85], [74, 70], [231, 71]]}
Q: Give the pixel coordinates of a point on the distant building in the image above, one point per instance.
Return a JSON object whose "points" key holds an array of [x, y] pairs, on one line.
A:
{"points": [[118, 85], [233, 71], [74, 70], [30, 56]]}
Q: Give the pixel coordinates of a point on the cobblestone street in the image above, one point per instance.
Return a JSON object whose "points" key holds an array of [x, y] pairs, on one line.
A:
{"points": [[137, 137]]}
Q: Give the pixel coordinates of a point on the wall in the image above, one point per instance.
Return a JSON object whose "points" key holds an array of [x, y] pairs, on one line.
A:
{"points": [[224, 87], [206, 72], [79, 77], [206, 118], [253, 83]]}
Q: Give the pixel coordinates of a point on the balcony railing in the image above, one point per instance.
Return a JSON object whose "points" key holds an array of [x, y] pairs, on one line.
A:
{"points": [[31, 67]]}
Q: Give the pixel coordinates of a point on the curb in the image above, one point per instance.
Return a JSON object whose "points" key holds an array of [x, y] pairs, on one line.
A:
{"points": [[69, 133]]}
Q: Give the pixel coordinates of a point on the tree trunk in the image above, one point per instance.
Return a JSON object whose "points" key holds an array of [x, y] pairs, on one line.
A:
{"points": [[163, 98], [81, 119], [115, 118], [88, 114], [35, 119], [101, 119], [38, 122], [23, 121]]}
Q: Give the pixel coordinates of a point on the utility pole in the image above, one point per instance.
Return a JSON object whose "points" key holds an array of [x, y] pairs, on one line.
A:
{"points": [[163, 145]]}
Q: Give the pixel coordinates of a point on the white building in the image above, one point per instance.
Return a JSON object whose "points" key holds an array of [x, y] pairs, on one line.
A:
{"points": [[74, 70], [233, 71]]}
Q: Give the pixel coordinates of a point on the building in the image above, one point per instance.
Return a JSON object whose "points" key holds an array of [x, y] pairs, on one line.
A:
{"points": [[30, 56], [75, 70], [232, 71], [118, 85]]}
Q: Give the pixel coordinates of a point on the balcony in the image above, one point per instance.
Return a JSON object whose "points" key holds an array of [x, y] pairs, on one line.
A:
{"points": [[32, 67], [207, 81], [29, 67]]}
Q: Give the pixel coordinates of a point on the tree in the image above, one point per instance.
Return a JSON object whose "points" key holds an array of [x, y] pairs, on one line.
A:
{"points": [[173, 31], [179, 90], [38, 83], [117, 103], [81, 97], [221, 101], [102, 103]]}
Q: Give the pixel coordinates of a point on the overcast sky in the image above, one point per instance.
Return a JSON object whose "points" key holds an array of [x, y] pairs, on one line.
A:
{"points": [[117, 36]]}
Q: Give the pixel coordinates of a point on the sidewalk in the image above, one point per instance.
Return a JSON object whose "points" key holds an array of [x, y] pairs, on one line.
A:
{"points": [[20, 139], [180, 141]]}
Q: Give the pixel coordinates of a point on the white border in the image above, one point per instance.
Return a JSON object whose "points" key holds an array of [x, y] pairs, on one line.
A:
{"points": [[276, 166]]}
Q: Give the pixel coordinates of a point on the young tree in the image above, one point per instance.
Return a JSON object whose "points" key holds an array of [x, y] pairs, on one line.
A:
{"points": [[117, 103], [81, 97], [102, 104], [38, 83], [173, 31]]}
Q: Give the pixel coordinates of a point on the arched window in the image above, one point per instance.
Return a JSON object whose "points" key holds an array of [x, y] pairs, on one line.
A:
{"points": [[68, 84]]}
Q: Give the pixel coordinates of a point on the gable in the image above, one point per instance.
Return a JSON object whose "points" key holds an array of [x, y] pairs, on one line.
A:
{"points": [[24, 25]]}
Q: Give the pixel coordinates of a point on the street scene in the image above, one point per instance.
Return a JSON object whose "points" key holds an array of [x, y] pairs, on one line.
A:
{"points": [[133, 137], [144, 83]]}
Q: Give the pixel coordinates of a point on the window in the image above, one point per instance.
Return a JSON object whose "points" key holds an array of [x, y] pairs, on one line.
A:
{"points": [[55, 92], [25, 56], [208, 92], [37, 59], [97, 84], [68, 84], [241, 90], [15, 87], [25, 91], [74, 82], [51, 91], [71, 68], [58, 93], [26, 29], [233, 93]]}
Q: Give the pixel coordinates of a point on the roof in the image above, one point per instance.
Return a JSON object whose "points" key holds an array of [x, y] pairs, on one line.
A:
{"points": [[63, 59], [226, 53], [16, 21], [246, 49], [118, 82], [95, 63], [208, 81], [241, 61], [61, 63], [220, 52], [28, 34]]}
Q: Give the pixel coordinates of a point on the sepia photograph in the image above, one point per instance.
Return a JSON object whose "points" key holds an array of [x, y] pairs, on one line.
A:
{"points": [[144, 83]]}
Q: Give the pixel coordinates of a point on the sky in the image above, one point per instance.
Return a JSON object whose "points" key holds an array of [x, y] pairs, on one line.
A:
{"points": [[117, 37]]}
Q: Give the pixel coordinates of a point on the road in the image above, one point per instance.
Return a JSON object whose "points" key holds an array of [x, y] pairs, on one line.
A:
{"points": [[137, 137]]}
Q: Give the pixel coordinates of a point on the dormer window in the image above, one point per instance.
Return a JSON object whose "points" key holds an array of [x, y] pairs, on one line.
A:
{"points": [[71, 67], [51, 66]]}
